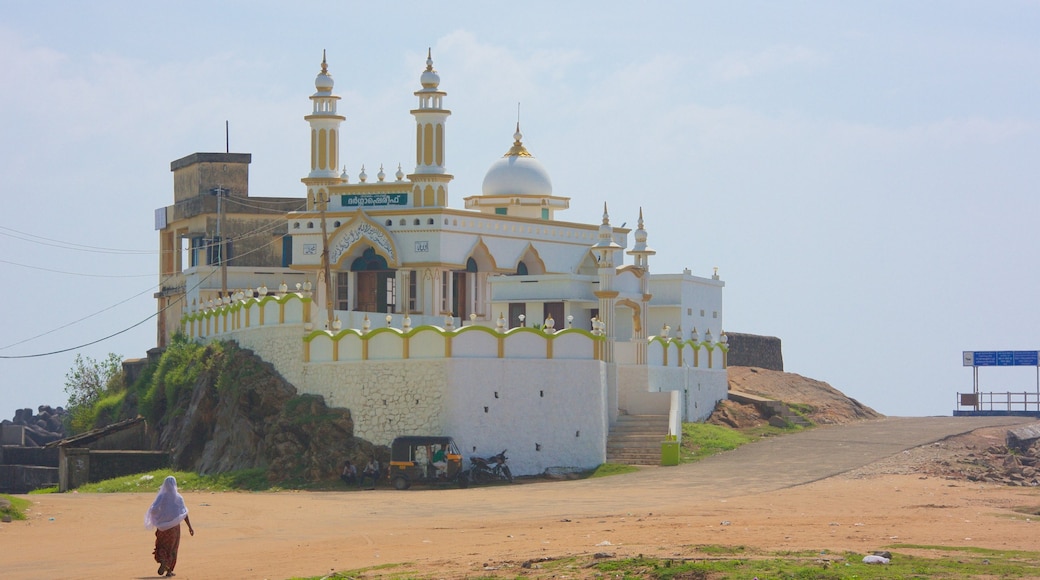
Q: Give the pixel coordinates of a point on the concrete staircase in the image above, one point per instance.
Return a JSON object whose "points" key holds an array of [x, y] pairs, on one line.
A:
{"points": [[636, 439]]}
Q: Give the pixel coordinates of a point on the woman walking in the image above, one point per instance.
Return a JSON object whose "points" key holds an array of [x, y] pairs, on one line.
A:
{"points": [[165, 517]]}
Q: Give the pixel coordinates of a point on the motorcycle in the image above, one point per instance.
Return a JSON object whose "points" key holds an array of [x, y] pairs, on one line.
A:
{"points": [[494, 468]]}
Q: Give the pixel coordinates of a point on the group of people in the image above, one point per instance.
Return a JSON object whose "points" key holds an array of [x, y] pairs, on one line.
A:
{"points": [[350, 474]]}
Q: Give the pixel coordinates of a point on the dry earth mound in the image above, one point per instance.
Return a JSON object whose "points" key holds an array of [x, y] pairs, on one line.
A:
{"points": [[816, 400]]}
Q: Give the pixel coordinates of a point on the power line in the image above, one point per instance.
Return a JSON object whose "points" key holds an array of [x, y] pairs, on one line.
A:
{"points": [[69, 245], [127, 329], [77, 273], [149, 289]]}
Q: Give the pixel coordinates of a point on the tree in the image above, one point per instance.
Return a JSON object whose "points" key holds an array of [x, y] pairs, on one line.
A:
{"points": [[86, 383]]}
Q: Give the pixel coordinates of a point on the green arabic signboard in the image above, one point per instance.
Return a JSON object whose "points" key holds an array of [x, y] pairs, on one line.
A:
{"points": [[371, 199]]}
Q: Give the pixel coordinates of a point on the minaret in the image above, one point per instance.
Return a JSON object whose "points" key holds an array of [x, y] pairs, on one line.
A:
{"points": [[641, 253], [430, 179], [604, 250], [324, 124]]}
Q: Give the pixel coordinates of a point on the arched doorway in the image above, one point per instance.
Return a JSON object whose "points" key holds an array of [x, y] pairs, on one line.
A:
{"points": [[376, 289], [463, 285]]}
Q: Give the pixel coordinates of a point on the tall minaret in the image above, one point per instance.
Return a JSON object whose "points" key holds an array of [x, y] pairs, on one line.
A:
{"points": [[641, 254], [604, 250], [430, 179], [324, 124]]}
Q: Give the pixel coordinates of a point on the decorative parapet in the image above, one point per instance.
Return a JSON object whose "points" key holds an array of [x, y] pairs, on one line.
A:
{"points": [[675, 352], [245, 313], [434, 342], [388, 343]]}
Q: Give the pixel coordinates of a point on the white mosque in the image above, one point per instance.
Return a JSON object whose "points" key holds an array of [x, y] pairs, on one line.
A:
{"points": [[496, 323]]}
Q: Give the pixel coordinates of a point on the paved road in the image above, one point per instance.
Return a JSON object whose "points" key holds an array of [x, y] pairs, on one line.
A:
{"points": [[766, 465]]}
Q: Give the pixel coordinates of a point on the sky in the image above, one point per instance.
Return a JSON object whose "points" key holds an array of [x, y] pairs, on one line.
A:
{"points": [[862, 174]]}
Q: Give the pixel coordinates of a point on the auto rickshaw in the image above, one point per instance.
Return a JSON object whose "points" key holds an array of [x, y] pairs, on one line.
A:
{"points": [[425, 459]]}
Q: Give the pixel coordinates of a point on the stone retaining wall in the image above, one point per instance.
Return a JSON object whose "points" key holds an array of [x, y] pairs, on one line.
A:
{"points": [[753, 350]]}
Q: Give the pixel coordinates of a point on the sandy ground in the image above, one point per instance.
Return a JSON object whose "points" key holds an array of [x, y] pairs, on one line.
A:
{"points": [[451, 533]]}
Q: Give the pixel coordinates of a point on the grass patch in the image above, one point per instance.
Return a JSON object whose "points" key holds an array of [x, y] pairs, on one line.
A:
{"points": [[715, 562], [242, 480], [13, 507], [608, 469], [823, 566], [702, 440]]}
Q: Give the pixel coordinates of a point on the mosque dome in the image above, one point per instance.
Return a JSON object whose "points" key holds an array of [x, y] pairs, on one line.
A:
{"points": [[429, 79], [324, 83], [517, 173]]}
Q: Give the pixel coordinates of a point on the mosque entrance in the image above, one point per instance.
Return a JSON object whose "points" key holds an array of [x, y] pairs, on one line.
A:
{"points": [[376, 289]]}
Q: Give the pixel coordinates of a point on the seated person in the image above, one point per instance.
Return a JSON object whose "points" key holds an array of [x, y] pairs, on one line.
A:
{"points": [[371, 471], [349, 475], [440, 462]]}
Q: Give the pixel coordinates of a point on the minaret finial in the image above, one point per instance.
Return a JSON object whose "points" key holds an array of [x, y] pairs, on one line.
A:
{"points": [[606, 216], [429, 59], [324, 65]]}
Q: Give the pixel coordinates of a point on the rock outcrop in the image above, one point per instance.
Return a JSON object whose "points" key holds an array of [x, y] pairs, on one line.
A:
{"points": [[257, 420], [41, 428], [815, 400]]}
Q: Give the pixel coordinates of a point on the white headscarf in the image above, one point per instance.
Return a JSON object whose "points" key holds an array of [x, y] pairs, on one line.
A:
{"points": [[168, 509]]}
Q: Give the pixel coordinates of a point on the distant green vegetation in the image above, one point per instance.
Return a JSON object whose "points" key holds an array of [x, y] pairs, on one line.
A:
{"points": [[177, 373], [704, 563], [243, 480], [702, 440], [13, 507], [99, 397]]}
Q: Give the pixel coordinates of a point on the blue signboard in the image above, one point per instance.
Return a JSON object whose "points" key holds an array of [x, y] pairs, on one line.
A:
{"points": [[1001, 358]]}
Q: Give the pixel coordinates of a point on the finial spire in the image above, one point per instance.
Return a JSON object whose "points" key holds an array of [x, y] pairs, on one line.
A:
{"points": [[429, 59], [518, 149], [324, 65]]}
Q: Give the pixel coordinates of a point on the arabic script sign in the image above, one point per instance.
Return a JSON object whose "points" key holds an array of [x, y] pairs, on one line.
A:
{"points": [[360, 230], [374, 199]]}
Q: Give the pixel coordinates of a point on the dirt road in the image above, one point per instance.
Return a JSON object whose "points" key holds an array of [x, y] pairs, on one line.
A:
{"points": [[771, 495]]}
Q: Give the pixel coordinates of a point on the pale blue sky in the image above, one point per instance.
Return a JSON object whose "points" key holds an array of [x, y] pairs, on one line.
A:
{"points": [[862, 174]]}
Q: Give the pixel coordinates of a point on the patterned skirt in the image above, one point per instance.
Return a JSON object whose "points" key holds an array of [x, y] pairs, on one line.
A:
{"points": [[166, 544]]}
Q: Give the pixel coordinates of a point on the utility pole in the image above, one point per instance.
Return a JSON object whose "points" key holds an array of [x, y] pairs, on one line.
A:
{"points": [[222, 247], [323, 202]]}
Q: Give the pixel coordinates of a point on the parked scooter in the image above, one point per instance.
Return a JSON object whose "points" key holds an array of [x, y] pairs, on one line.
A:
{"points": [[494, 468]]}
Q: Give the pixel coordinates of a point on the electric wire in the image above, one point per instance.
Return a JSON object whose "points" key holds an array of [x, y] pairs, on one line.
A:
{"points": [[69, 245], [77, 273], [127, 329]]}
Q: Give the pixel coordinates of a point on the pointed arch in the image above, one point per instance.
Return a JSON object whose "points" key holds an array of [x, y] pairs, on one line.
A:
{"points": [[482, 256], [637, 325], [588, 265], [352, 238], [531, 259]]}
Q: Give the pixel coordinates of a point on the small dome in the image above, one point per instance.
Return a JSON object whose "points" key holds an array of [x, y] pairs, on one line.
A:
{"points": [[430, 79], [517, 173], [324, 83]]}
